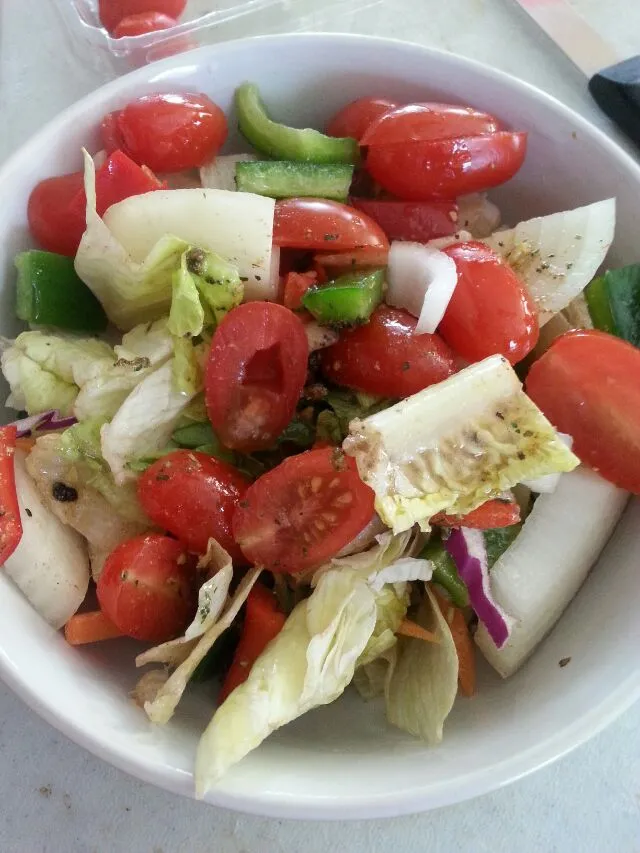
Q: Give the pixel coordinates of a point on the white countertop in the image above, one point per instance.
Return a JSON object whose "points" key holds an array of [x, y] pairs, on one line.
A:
{"points": [[56, 797]]}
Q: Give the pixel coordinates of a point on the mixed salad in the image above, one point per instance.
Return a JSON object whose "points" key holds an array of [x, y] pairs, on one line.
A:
{"points": [[272, 420]]}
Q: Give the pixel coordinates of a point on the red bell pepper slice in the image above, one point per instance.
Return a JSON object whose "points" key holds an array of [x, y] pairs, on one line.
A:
{"points": [[492, 514], [262, 622], [10, 523]]}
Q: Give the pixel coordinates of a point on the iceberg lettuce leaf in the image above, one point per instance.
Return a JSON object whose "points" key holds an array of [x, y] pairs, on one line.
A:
{"points": [[308, 664]]}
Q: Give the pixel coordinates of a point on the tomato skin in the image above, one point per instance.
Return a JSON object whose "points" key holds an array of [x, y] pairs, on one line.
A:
{"points": [[318, 224], [143, 22], [446, 168], [303, 512], [354, 119], [427, 122], [10, 521], [385, 357], [146, 588], [255, 373], [193, 496], [415, 221], [169, 133], [119, 178], [111, 12], [491, 310], [110, 132], [586, 383], [56, 213]]}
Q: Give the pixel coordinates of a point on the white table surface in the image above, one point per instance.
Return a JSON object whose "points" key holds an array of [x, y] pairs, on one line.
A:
{"points": [[56, 797]]}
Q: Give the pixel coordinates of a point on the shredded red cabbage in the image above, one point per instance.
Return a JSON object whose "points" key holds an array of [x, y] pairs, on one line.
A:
{"points": [[468, 551], [44, 422]]}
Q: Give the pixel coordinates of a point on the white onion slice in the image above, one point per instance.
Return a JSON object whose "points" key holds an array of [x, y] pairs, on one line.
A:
{"points": [[478, 215], [421, 280], [220, 173], [557, 256], [538, 575]]}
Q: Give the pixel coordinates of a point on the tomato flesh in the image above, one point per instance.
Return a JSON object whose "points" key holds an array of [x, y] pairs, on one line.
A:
{"points": [[491, 310], [193, 496], [255, 373], [169, 133], [146, 588], [446, 168], [415, 221], [427, 122], [354, 119], [143, 22], [343, 262], [111, 12], [318, 224], [303, 512], [586, 383], [385, 357]]}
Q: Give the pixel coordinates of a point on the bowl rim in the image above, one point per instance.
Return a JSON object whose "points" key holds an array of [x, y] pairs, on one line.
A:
{"points": [[491, 776]]}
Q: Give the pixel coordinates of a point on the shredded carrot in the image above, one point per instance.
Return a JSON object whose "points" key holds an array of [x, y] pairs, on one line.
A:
{"points": [[92, 627], [411, 629], [463, 643], [27, 443]]}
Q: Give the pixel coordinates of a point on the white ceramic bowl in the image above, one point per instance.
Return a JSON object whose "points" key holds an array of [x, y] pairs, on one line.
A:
{"points": [[343, 761]]}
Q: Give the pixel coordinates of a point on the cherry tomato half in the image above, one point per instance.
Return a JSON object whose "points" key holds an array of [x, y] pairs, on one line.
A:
{"points": [[143, 22], [193, 496], [315, 223], [169, 133], [111, 12], [587, 384], [146, 588], [354, 119], [255, 373], [416, 221], [427, 122], [110, 132], [491, 310], [385, 357], [446, 168], [303, 512], [56, 212]]}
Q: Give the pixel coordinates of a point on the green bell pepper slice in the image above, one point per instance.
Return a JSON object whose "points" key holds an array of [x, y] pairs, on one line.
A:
{"points": [[50, 293], [288, 179], [614, 303], [288, 143], [349, 300], [445, 572], [497, 540]]}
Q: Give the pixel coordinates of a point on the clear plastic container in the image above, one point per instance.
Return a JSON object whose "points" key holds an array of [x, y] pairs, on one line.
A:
{"points": [[203, 22]]}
